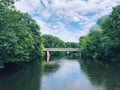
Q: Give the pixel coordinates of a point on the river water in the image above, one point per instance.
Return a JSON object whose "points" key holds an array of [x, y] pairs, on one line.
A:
{"points": [[62, 74]]}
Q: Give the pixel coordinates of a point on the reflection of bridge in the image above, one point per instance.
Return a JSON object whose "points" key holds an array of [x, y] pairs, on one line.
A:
{"points": [[59, 50]]}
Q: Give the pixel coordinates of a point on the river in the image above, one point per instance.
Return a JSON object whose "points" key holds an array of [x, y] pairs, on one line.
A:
{"points": [[62, 74]]}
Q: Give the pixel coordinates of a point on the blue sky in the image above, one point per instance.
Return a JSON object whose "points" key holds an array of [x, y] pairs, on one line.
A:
{"points": [[66, 19]]}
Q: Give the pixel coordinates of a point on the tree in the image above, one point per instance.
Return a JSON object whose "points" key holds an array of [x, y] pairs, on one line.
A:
{"points": [[71, 45], [7, 3], [20, 38], [111, 30], [90, 44], [50, 41], [103, 42]]}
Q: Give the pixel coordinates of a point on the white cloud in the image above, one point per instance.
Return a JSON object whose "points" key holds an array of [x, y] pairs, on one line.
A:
{"points": [[59, 31], [85, 13], [45, 2], [45, 13], [28, 5]]}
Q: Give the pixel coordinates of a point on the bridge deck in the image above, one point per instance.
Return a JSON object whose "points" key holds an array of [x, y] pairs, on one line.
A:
{"points": [[61, 49]]}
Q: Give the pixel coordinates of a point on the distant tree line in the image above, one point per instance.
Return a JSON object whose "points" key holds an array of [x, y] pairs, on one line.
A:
{"points": [[50, 41], [103, 41]]}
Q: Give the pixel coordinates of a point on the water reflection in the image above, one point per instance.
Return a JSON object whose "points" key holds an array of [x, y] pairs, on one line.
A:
{"points": [[27, 78], [68, 77], [62, 74], [104, 74], [50, 67]]}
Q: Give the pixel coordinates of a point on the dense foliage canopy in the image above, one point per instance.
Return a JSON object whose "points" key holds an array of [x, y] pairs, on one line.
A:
{"points": [[103, 41], [20, 38], [50, 41], [71, 45]]}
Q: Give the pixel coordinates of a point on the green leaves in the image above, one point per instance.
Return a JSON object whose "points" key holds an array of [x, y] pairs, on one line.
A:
{"points": [[20, 38], [8, 3], [50, 41], [103, 42]]}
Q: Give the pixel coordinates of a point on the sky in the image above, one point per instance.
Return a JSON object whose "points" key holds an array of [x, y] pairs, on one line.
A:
{"points": [[66, 19]]}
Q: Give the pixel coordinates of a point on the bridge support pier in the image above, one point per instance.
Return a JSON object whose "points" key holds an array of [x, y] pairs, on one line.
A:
{"points": [[48, 56]]}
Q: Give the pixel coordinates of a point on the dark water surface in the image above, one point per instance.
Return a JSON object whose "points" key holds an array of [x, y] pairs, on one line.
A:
{"points": [[62, 74]]}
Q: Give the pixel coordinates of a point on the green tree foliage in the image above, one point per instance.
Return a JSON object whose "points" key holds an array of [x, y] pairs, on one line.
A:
{"points": [[71, 45], [20, 38], [90, 44], [7, 3], [50, 41], [111, 30], [104, 41]]}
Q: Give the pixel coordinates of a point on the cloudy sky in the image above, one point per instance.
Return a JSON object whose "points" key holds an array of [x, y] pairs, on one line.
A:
{"points": [[66, 19]]}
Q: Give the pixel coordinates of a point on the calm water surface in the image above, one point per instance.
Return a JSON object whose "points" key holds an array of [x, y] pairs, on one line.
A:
{"points": [[62, 74]]}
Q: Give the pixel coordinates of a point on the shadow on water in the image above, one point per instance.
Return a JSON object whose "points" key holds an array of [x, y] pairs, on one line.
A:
{"points": [[54, 63], [26, 77], [70, 57], [61, 74], [51, 67], [104, 74]]}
